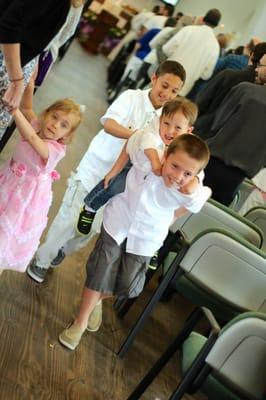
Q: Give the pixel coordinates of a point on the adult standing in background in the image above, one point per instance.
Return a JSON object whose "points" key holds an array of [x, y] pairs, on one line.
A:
{"points": [[238, 143], [26, 28], [196, 48], [218, 87]]}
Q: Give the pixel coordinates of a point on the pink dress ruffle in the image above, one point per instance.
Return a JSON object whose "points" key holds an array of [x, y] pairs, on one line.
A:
{"points": [[25, 198]]}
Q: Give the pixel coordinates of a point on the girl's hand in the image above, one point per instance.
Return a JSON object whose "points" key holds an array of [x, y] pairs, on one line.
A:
{"points": [[13, 95]]}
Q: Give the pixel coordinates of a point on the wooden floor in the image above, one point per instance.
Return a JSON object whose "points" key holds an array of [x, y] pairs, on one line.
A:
{"points": [[33, 365]]}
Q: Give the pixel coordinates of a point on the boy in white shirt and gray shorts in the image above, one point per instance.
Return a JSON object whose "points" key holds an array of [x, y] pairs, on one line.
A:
{"points": [[135, 225]]}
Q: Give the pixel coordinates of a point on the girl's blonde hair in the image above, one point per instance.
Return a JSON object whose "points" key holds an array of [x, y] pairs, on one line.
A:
{"points": [[68, 106]]}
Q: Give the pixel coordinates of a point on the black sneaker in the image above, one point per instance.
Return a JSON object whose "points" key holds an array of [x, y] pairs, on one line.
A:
{"points": [[36, 273], [59, 258], [154, 262], [85, 221]]}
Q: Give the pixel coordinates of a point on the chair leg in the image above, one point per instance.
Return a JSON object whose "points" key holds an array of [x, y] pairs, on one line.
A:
{"points": [[172, 271], [169, 352]]}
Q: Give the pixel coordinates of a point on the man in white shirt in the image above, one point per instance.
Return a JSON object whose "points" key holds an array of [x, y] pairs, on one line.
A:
{"points": [[196, 48], [131, 111], [135, 225]]}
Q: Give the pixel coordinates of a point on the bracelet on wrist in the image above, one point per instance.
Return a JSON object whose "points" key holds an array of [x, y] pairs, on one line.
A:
{"points": [[16, 80]]}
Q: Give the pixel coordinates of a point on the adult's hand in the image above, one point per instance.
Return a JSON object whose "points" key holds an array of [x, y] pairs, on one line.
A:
{"points": [[13, 94]]}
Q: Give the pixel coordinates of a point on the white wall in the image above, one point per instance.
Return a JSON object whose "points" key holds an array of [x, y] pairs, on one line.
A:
{"points": [[245, 17], [236, 14]]}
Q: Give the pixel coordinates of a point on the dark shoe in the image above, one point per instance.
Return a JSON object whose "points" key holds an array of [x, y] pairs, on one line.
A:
{"points": [[36, 273], [85, 221], [154, 262], [59, 258]]}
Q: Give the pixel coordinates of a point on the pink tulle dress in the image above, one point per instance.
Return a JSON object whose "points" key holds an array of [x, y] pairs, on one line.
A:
{"points": [[25, 198]]}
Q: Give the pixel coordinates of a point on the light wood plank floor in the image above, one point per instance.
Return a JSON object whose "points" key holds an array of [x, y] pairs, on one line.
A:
{"points": [[33, 365]]}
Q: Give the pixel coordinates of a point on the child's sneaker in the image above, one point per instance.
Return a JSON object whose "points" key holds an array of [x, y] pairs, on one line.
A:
{"points": [[36, 273], [95, 319], [71, 336], [154, 261], [85, 221]]}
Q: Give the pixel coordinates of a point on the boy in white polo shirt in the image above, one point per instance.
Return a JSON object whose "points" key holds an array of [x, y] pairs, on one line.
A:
{"points": [[131, 111], [135, 225]]}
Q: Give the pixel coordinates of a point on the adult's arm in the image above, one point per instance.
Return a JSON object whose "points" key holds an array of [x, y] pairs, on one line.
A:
{"points": [[13, 95]]}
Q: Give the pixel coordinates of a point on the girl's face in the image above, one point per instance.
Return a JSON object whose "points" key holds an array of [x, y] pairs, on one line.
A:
{"points": [[57, 124]]}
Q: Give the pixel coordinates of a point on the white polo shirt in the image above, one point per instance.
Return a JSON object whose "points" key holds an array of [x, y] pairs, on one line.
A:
{"points": [[144, 212], [156, 21], [132, 109], [197, 49]]}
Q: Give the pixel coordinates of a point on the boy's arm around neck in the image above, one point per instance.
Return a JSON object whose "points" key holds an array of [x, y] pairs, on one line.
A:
{"points": [[115, 129]]}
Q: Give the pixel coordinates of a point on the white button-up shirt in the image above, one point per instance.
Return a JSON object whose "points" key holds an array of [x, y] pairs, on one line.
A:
{"points": [[132, 109], [197, 49], [144, 212]]}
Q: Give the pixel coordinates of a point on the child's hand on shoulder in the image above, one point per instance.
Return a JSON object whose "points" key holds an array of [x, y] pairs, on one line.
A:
{"points": [[190, 187], [157, 171], [156, 168]]}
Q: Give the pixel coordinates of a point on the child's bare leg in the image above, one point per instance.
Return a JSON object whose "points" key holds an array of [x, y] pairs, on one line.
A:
{"points": [[88, 302]]}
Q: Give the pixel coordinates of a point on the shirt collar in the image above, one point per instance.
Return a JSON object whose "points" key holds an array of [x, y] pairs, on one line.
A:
{"points": [[148, 104]]}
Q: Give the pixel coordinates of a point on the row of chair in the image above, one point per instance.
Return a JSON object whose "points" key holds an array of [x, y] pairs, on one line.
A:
{"points": [[215, 259]]}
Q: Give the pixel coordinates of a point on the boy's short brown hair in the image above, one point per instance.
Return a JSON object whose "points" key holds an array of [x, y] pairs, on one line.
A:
{"points": [[171, 67], [187, 107], [193, 145]]}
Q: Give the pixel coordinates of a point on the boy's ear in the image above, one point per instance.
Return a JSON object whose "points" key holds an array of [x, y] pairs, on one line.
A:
{"points": [[153, 78], [190, 129]]}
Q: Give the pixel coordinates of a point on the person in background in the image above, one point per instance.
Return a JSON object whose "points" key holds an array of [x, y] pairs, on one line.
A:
{"points": [[233, 61], [218, 87], [132, 110], [143, 48], [156, 56], [158, 21], [257, 197], [26, 179], [135, 225], [196, 48], [48, 57], [25, 30], [237, 144]]}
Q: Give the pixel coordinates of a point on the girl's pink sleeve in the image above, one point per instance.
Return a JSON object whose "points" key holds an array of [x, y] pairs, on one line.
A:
{"points": [[56, 152]]}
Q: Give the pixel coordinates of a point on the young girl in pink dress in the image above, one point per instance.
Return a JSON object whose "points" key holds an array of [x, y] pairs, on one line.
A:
{"points": [[26, 180]]}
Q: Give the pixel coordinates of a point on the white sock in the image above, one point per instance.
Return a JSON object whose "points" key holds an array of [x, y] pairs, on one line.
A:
{"points": [[87, 208]]}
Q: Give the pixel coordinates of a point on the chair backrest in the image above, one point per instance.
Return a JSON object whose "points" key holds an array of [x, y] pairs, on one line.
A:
{"points": [[257, 215], [238, 358], [215, 215], [229, 268], [243, 191]]}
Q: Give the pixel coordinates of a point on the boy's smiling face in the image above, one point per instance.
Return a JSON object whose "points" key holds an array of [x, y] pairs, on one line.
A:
{"points": [[179, 169], [164, 88], [173, 125]]}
